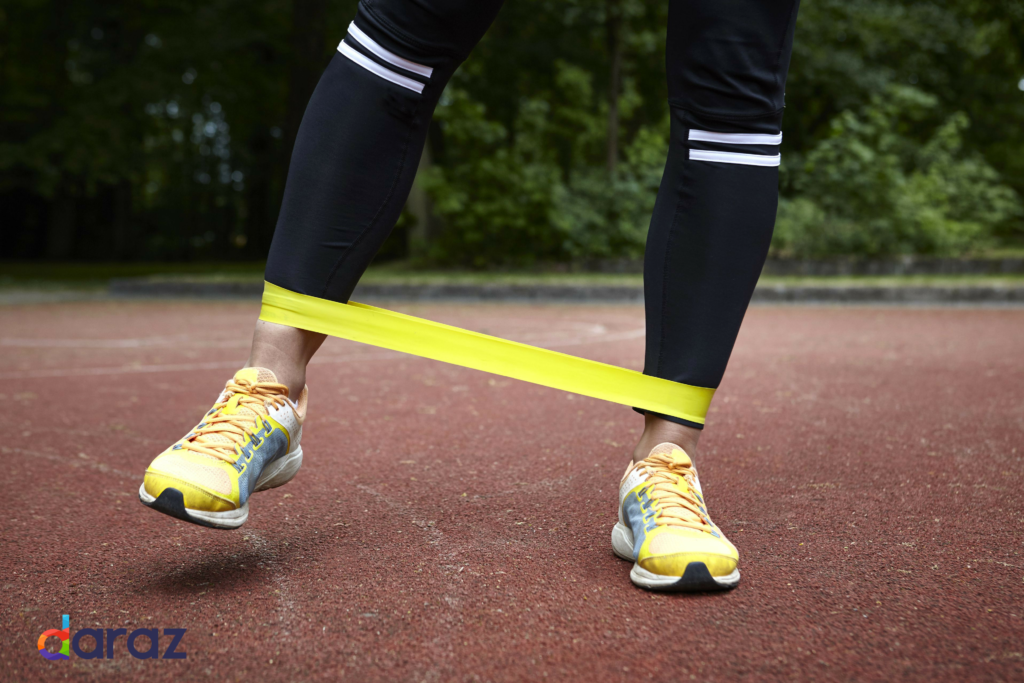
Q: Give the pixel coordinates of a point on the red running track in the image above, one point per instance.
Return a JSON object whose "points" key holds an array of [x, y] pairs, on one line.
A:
{"points": [[453, 526]]}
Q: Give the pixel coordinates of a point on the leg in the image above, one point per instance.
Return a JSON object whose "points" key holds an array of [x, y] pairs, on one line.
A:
{"points": [[285, 351], [356, 155], [352, 167], [658, 429], [713, 219], [712, 223]]}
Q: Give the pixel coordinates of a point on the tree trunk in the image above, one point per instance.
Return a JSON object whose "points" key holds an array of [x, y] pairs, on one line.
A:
{"points": [[613, 27]]}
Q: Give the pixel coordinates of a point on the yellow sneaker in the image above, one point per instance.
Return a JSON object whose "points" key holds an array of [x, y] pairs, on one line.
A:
{"points": [[664, 528], [248, 442]]}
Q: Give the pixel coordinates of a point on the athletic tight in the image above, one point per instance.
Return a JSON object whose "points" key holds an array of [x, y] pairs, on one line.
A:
{"points": [[364, 129]]}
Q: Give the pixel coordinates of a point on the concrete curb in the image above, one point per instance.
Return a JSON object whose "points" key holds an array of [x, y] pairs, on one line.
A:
{"points": [[825, 267], [31, 297], [983, 294], [183, 289], [131, 287], [907, 265]]}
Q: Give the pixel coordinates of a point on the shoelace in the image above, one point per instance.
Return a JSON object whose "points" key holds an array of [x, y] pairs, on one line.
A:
{"points": [[667, 479], [236, 425]]}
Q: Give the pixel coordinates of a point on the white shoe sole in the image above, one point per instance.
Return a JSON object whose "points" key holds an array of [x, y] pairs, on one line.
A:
{"points": [[280, 472], [695, 578], [277, 473]]}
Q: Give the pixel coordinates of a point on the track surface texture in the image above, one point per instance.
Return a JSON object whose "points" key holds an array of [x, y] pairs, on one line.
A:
{"points": [[449, 525]]}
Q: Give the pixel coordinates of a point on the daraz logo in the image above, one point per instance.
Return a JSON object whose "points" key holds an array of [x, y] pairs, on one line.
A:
{"points": [[68, 643], [64, 636]]}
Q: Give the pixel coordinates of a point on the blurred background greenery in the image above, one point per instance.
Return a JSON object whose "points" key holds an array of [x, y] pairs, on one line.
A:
{"points": [[160, 130]]}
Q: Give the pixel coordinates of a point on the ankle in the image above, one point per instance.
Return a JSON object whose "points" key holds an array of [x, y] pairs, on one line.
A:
{"points": [[293, 378], [287, 373], [658, 430], [285, 351]]}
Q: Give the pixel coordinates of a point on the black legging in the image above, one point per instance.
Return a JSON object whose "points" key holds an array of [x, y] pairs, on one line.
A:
{"points": [[363, 132]]}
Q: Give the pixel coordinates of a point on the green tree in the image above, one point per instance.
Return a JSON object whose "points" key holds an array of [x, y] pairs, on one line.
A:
{"points": [[869, 188], [161, 129]]}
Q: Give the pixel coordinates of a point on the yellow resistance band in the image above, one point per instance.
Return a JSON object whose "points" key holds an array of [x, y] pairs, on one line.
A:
{"points": [[419, 337]]}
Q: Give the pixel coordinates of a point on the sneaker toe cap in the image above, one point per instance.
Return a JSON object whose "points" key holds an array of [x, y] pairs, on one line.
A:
{"points": [[676, 564], [197, 496], [669, 552]]}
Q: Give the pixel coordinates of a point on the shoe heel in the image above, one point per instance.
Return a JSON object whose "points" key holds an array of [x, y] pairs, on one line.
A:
{"points": [[280, 472], [622, 541]]}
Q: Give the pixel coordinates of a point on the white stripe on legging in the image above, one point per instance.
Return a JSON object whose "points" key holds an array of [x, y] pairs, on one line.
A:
{"points": [[735, 158], [735, 138], [389, 57], [373, 67]]}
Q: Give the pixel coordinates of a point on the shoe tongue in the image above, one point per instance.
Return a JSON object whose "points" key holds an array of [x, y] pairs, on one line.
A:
{"points": [[673, 451], [252, 376], [251, 411], [679, 457], [255, 375], [234, 408]]}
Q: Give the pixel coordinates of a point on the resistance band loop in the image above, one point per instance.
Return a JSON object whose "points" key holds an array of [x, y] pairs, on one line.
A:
{"points": [[419, 337]]}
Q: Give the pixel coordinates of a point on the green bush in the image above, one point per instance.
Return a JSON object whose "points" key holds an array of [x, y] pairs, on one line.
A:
{"points": [[601, 216], [519, 196], [870, 188], [889, 179], [148, 131], [494, 195]]}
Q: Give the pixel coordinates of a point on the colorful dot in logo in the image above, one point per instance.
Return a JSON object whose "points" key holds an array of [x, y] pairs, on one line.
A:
{"points": [[64, 635]]}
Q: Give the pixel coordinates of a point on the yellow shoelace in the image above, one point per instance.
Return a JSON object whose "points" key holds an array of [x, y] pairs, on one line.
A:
{"points": [[236, 426], [670, 481]]}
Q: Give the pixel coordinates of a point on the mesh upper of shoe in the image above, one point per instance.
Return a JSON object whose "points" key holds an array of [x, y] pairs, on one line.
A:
{"points": [[181, 465], [262, 374], [683, 531], [207, 470], [676, 539], [665, 449], [671, 482], [244, 411]]}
